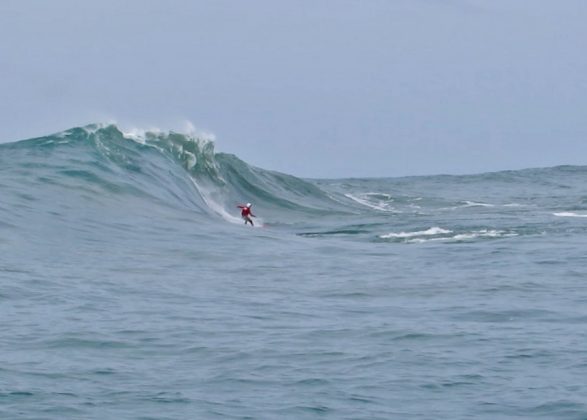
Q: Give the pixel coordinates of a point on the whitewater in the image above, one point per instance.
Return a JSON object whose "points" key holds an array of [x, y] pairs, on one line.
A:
{"points": [[131, 289]]}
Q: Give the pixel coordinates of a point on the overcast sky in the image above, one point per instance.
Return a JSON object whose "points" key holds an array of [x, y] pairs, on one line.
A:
{"points": [[314, 88]]}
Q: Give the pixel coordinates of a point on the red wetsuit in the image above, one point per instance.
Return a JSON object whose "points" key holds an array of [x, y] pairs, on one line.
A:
{"points": [[246, 211], [246, 214]]}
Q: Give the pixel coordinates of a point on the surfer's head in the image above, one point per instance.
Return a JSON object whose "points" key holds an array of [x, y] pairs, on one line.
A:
{"points": [[249, 204]]}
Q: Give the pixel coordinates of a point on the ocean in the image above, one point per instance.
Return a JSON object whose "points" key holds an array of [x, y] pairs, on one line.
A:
{"points": [[131, 289]]}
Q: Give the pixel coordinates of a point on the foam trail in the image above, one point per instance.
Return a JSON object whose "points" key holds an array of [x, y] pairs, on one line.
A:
{"points": [[220, 210], [213, 205]]}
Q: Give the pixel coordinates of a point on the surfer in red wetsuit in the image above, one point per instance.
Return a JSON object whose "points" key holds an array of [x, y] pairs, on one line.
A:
{"points": [[247, 214]]}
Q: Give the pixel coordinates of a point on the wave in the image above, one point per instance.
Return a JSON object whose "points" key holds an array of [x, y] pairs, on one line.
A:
{"points": [[101, 163], [102, 171]]}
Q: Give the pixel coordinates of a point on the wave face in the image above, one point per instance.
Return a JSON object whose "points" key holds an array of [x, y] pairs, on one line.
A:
{"points": [[103, 173]]}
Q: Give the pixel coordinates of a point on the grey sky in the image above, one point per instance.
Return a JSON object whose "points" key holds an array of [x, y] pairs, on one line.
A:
{"points": [[316, 88]]}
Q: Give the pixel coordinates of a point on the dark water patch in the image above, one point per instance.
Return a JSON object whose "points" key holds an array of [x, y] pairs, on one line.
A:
{"points": [[26, 197], [16, 395], [529, 353], [400, 336], [447, 385], [104, 372], [65, 394], [19, 270], [362, 399], [196, 350]]}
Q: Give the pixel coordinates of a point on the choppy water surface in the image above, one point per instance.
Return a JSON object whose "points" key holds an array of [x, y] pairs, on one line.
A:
{"points": [[130, 289]]}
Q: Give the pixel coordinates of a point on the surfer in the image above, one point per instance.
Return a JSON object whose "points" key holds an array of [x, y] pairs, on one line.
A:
{"points": [[246, 213]]}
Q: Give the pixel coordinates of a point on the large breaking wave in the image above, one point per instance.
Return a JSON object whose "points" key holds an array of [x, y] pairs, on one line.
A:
{"points": [[101, 163]]}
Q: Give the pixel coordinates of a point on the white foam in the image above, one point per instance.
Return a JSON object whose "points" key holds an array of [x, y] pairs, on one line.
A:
{"points": [[484, 233], [438, 234], [468, 236], [423, 240], [192, 131], [429, 232], [476, 204], [93, 128], [569, 214], [186, 128], [138, 134], [366, 200]]}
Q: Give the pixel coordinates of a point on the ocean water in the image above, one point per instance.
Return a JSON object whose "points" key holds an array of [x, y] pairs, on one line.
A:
{"points": [[131, 289]]}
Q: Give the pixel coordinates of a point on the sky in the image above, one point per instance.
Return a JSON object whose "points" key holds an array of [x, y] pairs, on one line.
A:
{"points": [[312, 88]]}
